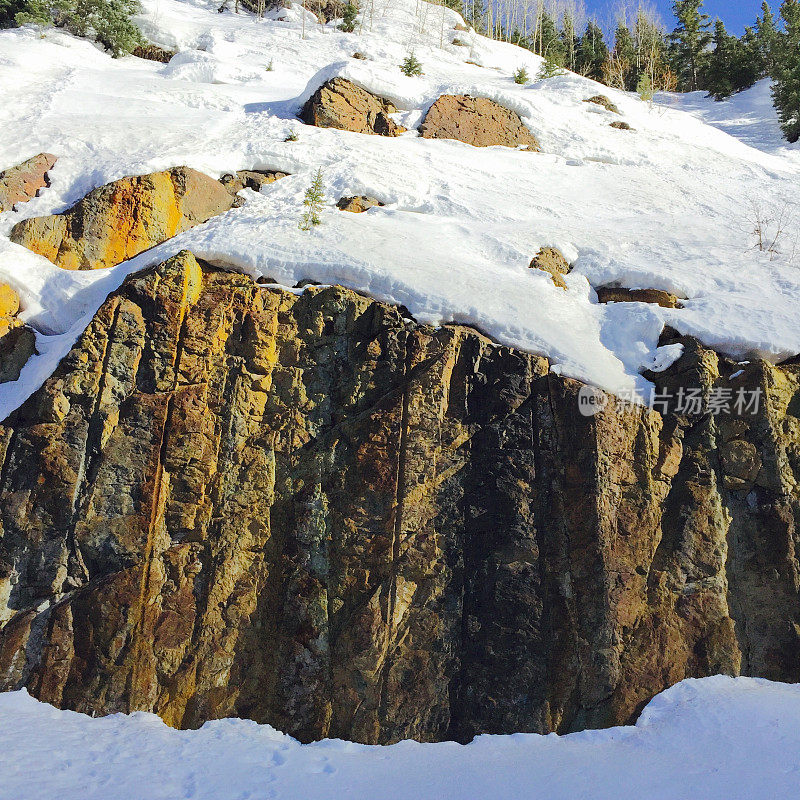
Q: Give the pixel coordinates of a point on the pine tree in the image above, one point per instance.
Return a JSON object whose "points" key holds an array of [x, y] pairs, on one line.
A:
{"points": [[313, 201], [8, 11], [690, 39], [411, 66], [349, 17], [550, 45], [592, 52], [719, 69], [570, 41], [768, 38], [786, 87]]}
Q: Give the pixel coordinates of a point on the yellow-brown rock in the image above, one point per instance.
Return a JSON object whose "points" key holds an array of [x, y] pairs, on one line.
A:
{"points": [[311, 511], [17, 341], [122, 219]]}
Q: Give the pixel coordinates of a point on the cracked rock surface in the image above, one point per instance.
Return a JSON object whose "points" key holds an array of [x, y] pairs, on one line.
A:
{"points": [[310, 511]]}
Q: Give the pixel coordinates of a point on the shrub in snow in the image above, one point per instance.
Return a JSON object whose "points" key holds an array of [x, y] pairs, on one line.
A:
{"points": [[411, 66], [292, 137], [550, 68], [521, 76], [349, 17], [644, 88], [313, 200], [106, 21]]}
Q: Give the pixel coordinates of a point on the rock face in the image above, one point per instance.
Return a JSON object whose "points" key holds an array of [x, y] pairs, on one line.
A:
{"points": [[477, 121], [552, 261], [615, 294], [314, 512], [122, 219], [20, 183], [341, 104], [17, 341], [358, 204]]}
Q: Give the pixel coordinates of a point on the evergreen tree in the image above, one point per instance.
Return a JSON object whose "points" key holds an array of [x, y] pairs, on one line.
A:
{"points": [[550, 44], [749, 64], [8, 11], [786, 87], [690, 39], [624, 57], [570, 41], [718, 76], [592, 52], [768, 38]]}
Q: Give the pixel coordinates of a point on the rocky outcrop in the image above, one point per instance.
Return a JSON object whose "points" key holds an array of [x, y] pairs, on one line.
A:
{"points": [[122, 219], [20, 183], [620, 125], [251, 179], [552, 261], [17, 341], [311, 511], [477, 121], [618, 294], [341, 104], [357, 204]]}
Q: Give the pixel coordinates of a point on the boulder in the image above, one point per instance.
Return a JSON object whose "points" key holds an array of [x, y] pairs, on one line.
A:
{"points": [[477, 121], [621, 126], [357, 204], [341, 104], [122, 219], [615, 294], [552, 261], [20, 183], [603, 101], [250, 179]]}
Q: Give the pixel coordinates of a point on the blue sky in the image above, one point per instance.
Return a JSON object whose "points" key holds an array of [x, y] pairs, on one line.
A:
{"points": [[734, 13]]}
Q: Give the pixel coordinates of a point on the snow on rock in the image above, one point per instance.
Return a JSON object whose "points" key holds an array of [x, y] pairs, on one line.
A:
{"points": [[668, 207], [717, 738]]}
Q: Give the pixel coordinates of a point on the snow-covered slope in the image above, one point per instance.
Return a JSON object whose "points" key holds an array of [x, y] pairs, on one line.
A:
{"points": [[713, 739], [667, 206]]}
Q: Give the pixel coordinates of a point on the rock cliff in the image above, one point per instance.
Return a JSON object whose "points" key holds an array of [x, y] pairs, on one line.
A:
{"points": [[308, 510]]}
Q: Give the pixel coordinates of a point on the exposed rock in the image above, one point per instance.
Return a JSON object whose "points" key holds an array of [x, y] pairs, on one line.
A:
{"points": [[551, 260], [341, 104], [615, 294], [17, 341], [602, 100], [477, 121], [17, 345], [621, 126], [9, 301], [459, 27], [313, 512], [20, 183], [152, 52], [360, 56], [460, 43], [251, 179], [122, 219], [357, 204]]}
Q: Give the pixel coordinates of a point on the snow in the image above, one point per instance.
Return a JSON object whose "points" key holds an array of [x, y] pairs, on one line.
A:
{"points": [[718, 738], [667, 206]]}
